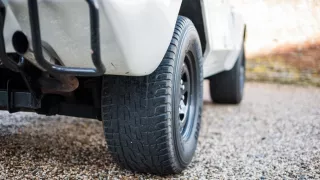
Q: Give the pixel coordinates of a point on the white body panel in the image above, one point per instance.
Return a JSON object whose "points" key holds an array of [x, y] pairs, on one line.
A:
{"points": [[134, 34], [224, 33]]}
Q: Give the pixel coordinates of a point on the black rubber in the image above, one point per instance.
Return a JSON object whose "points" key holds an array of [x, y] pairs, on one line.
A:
{"points": [[227, 87], [141, 115]]}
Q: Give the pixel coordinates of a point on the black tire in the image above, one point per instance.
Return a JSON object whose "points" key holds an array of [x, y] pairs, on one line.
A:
{"points": [[227, 87], [142, 120]]}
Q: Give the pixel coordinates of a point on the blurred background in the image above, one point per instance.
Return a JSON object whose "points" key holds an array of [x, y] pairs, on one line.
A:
{"points": [[283, 40]]}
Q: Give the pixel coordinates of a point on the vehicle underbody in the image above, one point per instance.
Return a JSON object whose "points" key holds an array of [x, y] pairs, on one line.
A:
{"points": [[23, 91]]}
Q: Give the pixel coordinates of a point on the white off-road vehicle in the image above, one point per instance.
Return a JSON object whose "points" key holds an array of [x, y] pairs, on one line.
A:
{"points": [[136, 65]]}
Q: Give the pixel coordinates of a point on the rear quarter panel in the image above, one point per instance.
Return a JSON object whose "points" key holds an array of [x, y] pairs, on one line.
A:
{"points": [[135, 34]]}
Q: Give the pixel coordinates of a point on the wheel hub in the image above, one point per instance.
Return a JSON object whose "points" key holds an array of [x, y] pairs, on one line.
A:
{"points": [[185, 91]]}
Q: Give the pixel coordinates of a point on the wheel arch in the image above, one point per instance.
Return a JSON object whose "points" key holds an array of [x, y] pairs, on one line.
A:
{"points": [[193, 10]]}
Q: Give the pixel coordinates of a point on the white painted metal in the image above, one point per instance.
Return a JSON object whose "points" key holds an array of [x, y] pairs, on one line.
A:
{"points": [[224, 30], [135, 34]]}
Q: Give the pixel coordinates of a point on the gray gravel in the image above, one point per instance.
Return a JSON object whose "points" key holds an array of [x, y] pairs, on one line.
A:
{"points": [[273, 134]]}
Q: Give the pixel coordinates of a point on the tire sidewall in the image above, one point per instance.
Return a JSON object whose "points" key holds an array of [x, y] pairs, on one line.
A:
{"points": [[240, 85], [185, 148]]}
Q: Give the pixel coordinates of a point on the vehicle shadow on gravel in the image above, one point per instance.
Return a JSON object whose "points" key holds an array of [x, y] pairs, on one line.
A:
{"points": [[55, 146], [63, 147]]}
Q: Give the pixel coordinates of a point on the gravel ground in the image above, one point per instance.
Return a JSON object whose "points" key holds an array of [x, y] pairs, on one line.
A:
{"points": [[273, 134]]}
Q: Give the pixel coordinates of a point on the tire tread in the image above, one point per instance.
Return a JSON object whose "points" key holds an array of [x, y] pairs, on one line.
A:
{"points": [[142, 144]]}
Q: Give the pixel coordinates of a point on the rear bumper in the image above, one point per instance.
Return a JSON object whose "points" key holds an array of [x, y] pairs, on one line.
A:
{"points": [[134, 36]]}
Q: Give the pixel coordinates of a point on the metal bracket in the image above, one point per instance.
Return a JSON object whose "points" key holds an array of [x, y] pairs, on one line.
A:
{"points": [[9, 98], [95, 43], [13, 100]]}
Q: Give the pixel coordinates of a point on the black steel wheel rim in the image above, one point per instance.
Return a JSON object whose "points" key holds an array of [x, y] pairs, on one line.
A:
{"points": [[187, 95]]}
